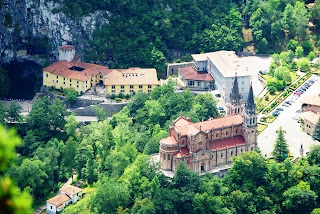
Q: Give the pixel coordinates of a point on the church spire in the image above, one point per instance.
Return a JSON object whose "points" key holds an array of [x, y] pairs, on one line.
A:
{"points": [[250, 106], [235, 95]]}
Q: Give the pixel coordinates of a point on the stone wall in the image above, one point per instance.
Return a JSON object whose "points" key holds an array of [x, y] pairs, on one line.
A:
{"points": [[109, 108], [172, 68]]}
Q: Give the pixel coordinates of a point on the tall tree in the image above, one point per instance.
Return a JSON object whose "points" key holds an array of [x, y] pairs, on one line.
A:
{"points": [[280, 151], [316, 131], [12, 201], [13, 111]]}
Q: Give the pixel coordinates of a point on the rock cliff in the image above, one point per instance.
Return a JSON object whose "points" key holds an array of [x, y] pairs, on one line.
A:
{"points": [[32, 27]]}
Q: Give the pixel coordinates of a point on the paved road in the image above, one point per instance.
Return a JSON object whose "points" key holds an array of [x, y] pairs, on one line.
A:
{"points": [[294, 135]]}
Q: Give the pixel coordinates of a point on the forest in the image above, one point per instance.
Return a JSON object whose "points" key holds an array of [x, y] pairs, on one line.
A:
{"points": [[150, 33], [112, 157]]}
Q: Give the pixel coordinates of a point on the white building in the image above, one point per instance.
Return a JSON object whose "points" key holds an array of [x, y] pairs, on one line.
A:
{"points": [[67, 52], [68, 195], [73, 192], [223, 66], [58, 203]]}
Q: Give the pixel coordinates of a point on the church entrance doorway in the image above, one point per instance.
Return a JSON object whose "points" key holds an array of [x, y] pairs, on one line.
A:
{"points": [[202, 167]]}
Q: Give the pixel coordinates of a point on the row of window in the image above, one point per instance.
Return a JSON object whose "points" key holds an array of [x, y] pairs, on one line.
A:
{"points": [[131, 86], [122, 91], [64, 83]]}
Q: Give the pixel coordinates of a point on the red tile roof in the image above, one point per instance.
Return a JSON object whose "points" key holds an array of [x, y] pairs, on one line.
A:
{"points": [[59, 199], [181, 121], [67, 47], [62, 68], [168, 141], [189, 73], [192, 129], [230, 142]]}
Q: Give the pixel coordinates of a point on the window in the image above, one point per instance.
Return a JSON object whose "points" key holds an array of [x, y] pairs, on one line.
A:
{"points": [[51, 207], [140, 86], [149, 91], [121, 91], [70, 84], [131, 91], [231, 153], [113, 91], [168, 156], [77, 82], [187, 161], [122, 87], [240, 150], [199, 84], [64, 83], [52, 80], [221, 154], [86, 82], [77, 86], [131, 86], [164, 156], [149, 86], [236, 130], [191, 83], [57, 77], [46, 75], [251, 148], [217, 135], [70, 80], [57, 81], [200, 144], [113, 87], [64, 78], [226, 133]]}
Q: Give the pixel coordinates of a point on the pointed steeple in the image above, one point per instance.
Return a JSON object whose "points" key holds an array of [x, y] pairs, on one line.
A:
{"points": [[235, 95], [250, 105]]}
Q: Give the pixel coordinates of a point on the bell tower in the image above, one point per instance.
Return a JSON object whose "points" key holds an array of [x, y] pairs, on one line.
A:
{"points": [[234, 107], [250, 123]]}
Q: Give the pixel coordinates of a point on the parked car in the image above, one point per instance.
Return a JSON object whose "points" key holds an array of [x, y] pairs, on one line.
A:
{"points": [[288, 102], [276, 113], [285, 104], [298, 111], [220, 108], [279, 109], [297, 93]]}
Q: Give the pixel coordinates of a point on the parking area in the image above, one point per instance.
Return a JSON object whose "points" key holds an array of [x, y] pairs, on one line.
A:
{"points": [[288, 120]]}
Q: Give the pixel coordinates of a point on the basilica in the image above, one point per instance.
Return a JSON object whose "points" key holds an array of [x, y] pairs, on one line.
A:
{"points": [[206, 145]]}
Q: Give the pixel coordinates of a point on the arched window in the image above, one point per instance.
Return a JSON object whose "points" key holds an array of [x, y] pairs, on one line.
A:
{"points": [[221, 154], [164, 156], [226, 133], [231, 153], [236, 130]]}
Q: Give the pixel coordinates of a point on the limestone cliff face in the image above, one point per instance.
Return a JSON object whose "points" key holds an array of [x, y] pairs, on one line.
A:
{"points": [[22, 22]]}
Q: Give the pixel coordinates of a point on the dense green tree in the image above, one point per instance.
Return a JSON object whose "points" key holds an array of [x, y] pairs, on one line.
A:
{"points": [[316, 131], [109, 196], [314, 155], [185, 179], [69, 151], [13, 111], [280, 151], [4, 82], [71, 125], [12, 200], [293, 44], [300, 199], [72, 97], [248, 171], [311, 56], [315, 14], [2, 113], [299, 52], [303, 64]]}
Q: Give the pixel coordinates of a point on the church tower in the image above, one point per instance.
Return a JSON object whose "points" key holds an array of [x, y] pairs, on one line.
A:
{"points": [[234, 106], [250, 123]]}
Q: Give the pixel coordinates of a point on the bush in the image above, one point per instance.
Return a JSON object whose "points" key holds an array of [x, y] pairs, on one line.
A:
{"points": [[312, 55], [112, 97], [266, 98], [72, 97], [127, 96], [299, 52], [272, 89], [293, 44], [307, 47], [120, 95], [117, 99], [263, 119]]}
